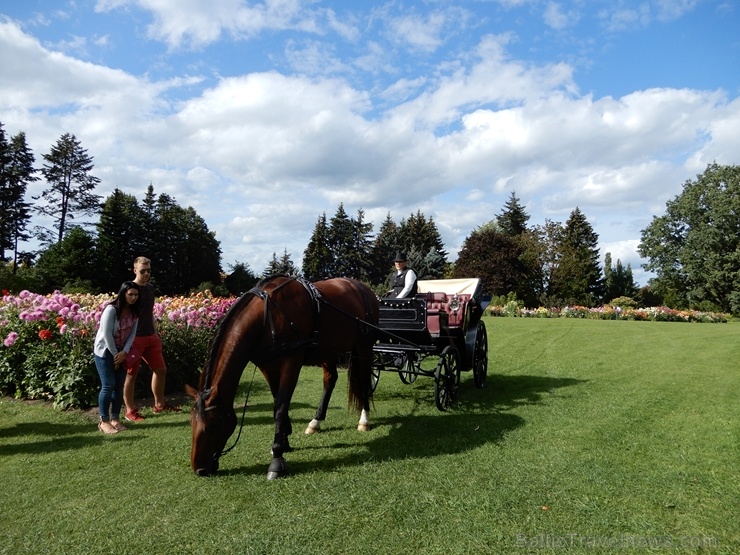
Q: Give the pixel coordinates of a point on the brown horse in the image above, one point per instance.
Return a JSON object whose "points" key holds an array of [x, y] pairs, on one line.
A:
{"points": [[280, 325]]}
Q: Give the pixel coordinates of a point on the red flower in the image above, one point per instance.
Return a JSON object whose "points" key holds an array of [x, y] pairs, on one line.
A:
{"points": [[60, 321], [6, 292], [45, 334]]}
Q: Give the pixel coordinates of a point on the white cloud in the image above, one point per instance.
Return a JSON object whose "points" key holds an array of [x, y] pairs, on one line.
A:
{"points": [[195, 24], [260, 155], [558, 19]]}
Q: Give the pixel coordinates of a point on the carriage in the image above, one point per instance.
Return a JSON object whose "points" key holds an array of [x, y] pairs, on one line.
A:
{"points": [[438, 334]]}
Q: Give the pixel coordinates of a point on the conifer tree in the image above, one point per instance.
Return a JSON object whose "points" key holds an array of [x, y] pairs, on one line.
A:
{"points": [[317, 258], [16, 172], [341, 243], [384, 248], [513, 219], [67, 170], [577, 278]]}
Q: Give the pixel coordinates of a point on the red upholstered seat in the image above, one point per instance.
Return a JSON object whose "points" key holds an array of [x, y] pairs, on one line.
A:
{"points": [[438, 303]]}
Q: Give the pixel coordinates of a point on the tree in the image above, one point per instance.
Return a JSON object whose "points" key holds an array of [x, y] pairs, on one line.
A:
{"points": [[120, 239], [317, 258], [241, 279], [185, 254], [618, 281], [513, 219], [341, 244], [418, 233], [22, 173], [577, 277], [384, 248], [359, 262], [694, 248], [67, 172], [6, 195], [491, 256], [190, 256], [69, 264], [16, 172], [282, 266]]}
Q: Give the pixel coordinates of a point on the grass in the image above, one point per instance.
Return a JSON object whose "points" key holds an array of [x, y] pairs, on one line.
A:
{"points": [[590, 437]]}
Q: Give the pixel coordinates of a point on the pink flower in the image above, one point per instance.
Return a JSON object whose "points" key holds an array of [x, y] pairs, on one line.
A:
{"points": [[12, 337]]}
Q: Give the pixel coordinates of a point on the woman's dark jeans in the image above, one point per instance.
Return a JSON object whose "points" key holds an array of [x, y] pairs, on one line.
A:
{"points": [[111, 390]]}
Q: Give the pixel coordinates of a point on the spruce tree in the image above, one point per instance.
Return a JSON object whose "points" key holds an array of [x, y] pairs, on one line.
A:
{"points": [[577, 278], [341, 243], [385, 246], [22, 173], [6, 195], [317, 258], [16, 172], [513, 219]]}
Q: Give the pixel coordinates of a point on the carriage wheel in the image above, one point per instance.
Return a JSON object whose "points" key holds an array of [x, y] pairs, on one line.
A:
{"points": [[406, 370], [480, 355], [447, 378], [375, 368]]}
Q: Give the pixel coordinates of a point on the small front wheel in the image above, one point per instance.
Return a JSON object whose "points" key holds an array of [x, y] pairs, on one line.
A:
{"points": [[447, 378]]}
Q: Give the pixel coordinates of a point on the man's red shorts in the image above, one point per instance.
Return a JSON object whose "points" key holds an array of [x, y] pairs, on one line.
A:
{"points": [[149, 348]]}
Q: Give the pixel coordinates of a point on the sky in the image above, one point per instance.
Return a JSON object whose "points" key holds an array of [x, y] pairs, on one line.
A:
{"points": [[264, 115]]}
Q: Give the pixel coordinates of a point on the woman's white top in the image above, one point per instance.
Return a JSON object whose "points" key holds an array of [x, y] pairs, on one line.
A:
{"points": [[105, 337]]}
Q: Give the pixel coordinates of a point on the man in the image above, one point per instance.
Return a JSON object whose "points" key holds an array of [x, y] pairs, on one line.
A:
{"points": [[404, 282], [147, 346]]}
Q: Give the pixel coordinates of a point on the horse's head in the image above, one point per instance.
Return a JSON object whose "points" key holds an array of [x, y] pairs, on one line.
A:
{"points": [[212, 421]]}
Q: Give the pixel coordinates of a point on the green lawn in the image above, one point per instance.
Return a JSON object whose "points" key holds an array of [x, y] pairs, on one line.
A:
{"points": [[590, 437]]}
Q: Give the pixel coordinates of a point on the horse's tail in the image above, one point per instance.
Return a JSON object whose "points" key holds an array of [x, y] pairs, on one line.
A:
{"points": [[359, 371], [359, 375]]}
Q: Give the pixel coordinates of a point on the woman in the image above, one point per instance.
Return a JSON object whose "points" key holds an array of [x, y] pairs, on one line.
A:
{"points": [[113, 342]]}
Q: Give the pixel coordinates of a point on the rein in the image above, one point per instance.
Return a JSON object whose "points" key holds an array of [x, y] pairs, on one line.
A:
{"points": [[218, 455]]}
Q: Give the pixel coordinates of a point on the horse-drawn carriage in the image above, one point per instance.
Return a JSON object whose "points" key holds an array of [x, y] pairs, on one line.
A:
{"points": [[285, 322], [438, 333]]}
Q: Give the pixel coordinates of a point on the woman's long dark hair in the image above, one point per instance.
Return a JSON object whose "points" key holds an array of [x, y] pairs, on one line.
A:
{"points": [[120, 302]]}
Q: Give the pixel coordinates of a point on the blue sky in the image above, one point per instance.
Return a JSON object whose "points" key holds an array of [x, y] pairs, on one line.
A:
{"points": [[263, 115]]}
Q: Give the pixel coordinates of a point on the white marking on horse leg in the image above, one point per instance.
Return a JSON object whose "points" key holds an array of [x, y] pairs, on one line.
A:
{"points": [[364, 424], [314, 427]]}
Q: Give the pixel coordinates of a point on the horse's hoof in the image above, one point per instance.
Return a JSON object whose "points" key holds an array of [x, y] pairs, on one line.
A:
{"points": [[277, 469], [311, 430], [363, 427]]}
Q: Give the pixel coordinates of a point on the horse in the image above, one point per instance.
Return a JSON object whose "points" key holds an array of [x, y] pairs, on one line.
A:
{"points": [[280, 325]]}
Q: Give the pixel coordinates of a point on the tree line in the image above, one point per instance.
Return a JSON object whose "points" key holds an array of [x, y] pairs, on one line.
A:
{"points": [[550, 264]]}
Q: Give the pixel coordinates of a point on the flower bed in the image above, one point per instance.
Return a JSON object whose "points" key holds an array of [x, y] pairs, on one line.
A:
{"points": [[606, 312], [46, 351]]}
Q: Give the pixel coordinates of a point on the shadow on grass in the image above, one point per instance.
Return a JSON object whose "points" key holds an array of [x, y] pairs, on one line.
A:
{"points": [[480, 419], [43, 437]]}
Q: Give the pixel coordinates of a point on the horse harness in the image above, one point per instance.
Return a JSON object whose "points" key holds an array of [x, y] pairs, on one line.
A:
{"points": [[317, 302]]}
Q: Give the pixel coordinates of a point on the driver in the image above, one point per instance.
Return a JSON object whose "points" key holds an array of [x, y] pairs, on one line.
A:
{"points": [[404, 282]]}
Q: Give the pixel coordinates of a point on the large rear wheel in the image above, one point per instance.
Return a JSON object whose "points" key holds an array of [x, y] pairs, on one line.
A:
{"points": [[480, 355]]}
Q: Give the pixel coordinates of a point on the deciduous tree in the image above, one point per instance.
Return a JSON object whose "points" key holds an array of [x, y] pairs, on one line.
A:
{"points": [[694, 248]]}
